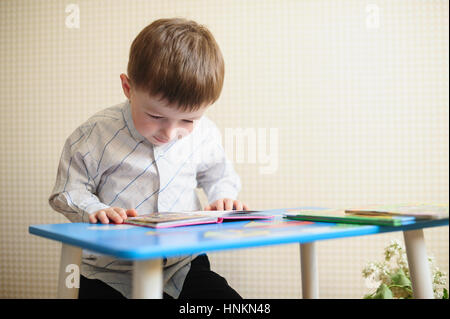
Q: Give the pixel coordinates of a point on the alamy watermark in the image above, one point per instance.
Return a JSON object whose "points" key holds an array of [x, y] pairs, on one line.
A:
{"points": [[256, 146], [249, 145], [373, 16], [73, 279], [73, 16]]}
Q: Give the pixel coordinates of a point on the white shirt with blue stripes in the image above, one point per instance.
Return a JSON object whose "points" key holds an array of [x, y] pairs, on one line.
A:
{"points": [[106, 162]]}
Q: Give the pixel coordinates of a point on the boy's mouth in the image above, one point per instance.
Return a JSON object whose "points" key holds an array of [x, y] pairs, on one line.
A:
{"points": [[160, 140]]}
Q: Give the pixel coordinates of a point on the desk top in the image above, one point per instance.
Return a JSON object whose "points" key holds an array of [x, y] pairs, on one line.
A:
{"points": [[135, 242]]}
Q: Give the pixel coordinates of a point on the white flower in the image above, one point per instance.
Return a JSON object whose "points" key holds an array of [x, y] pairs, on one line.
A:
{"points": [[393, 249], [384, 275], [395, 260], [438, 294], [369, 270], [439, 277], [370, 273], [371, 283]]}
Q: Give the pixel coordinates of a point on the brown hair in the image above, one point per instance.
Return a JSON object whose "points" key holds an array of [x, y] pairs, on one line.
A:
{"points": [[178, 60]]}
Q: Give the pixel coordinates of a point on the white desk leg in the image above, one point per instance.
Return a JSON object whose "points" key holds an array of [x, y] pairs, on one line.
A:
{"points": [[69, 272], [310, 278], [147, 279], [419, 268]]}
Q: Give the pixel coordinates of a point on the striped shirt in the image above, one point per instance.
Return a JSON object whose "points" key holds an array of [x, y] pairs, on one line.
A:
{"points": [[106, 162]]}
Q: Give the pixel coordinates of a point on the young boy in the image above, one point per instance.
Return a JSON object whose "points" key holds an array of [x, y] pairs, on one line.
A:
{"points": [[149, 154]]}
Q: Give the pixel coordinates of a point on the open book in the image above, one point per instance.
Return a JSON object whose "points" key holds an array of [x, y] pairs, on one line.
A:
{"points": [[175, 219], [419, 211], [339, 216]]}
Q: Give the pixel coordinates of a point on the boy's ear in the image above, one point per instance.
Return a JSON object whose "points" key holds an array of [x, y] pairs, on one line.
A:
{"points": [[125, 85]]}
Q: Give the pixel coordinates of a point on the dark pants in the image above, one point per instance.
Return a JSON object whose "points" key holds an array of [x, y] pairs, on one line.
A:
{"points": [[200, 283]]}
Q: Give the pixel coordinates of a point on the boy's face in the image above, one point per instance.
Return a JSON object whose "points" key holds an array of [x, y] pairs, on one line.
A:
{"points": [[157, 120]]}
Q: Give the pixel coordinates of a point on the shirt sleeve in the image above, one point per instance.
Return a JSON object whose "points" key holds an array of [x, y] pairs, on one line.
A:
{"points": [[215, 174], [74, 192]]}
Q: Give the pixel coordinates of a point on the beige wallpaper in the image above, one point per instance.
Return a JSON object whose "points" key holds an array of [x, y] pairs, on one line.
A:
{"points": [[344, 103]]}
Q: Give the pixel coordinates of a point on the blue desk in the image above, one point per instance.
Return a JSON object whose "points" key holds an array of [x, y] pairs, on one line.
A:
{"points": [[147, 247]]}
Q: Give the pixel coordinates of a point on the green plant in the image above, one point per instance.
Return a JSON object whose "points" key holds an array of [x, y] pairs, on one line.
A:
{"points": [[391, 276]]}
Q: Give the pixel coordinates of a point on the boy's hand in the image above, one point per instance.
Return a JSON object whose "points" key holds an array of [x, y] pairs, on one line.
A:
{"points": [[226, 204], [115, 214]]}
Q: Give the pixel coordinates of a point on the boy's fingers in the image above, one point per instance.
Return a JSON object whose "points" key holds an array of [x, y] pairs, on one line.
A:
{"points": [[102, 217], [208, 207], [131, 212], [237, 205], [121, 212], [114, 216], [228, 204], [92, 219], [245, 207], [218, 205]]}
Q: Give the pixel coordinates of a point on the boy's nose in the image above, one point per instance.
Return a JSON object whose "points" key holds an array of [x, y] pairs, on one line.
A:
{"points": [[169, 133]]}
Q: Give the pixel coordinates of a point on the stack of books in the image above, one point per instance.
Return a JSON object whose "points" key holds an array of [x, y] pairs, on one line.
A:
{"points": [[383, 215]]}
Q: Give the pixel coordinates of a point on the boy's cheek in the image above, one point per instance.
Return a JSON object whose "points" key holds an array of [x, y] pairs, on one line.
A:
{"points": [[183, 132], [145, 129]]}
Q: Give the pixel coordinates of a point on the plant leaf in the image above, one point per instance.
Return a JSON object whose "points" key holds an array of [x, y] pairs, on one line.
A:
{"points": [[383, 292], [400, 279], [445, 296]]}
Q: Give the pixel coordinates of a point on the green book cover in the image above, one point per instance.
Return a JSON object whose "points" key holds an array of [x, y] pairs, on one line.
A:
{"points": [[339, 216]]}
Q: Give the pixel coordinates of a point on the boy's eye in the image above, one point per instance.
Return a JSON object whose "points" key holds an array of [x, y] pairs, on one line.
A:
{"points": [[160, 117], [155, 117]]}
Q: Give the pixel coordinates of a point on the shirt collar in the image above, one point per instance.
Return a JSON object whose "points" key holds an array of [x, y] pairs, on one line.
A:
{"points": [[130, 124]]}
